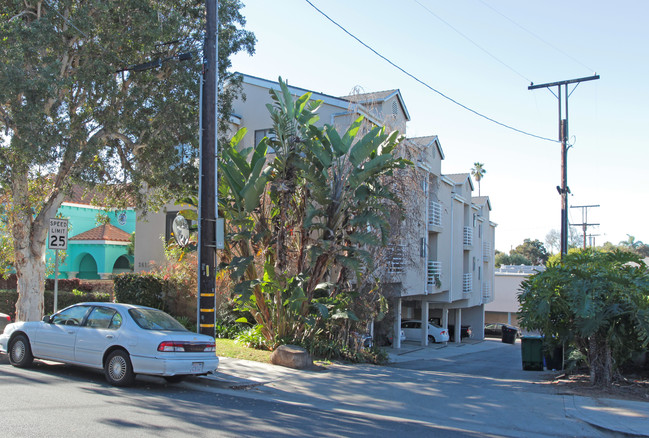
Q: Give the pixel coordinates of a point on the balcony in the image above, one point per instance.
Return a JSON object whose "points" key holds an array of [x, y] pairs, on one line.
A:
{"points": [[486, 292], [396, 260], [468, 237], [434, 216], [434, 274], [467, 283], [486, 251]]}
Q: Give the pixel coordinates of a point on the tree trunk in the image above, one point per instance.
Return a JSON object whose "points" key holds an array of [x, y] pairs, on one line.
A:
{"points": [[601, 361], [29, 234]]}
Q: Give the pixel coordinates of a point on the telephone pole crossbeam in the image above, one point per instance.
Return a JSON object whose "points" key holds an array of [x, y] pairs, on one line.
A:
{"points": [[584, 219], [563, 138]]}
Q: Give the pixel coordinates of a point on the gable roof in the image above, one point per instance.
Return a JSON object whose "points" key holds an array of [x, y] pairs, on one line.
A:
{"points": [[427, 141], [482, 200], [378, 97], [266, 83], [460, 178], [106, 232]]}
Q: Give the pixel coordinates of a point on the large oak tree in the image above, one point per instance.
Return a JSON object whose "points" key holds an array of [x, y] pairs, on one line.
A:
{"points": [[75, 109]]}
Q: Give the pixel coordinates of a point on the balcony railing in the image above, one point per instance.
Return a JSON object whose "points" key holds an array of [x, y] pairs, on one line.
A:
{"points": [[434, 273], [395, 259], [467, 283], [434, 214], [486, 251], [486, 291], [468, 236]]}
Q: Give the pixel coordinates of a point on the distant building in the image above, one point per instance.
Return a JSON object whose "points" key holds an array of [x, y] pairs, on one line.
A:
{"points": [[94, 252], [508, 278]]}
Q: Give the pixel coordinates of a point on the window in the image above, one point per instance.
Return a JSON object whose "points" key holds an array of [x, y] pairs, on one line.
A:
{"points": [[104, 318], [154, 319], [71, 316], [261, 133]]}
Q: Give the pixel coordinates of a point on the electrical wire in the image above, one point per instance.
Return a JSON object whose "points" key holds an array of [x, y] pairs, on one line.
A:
{"points": [[472, 42], [520, 131], [536, 36]]}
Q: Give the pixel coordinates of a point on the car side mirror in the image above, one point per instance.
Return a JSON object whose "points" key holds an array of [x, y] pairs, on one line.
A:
{"points": [[47, 319]]}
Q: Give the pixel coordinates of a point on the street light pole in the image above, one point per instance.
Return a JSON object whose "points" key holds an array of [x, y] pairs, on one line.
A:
{"points": [[207, 203]]}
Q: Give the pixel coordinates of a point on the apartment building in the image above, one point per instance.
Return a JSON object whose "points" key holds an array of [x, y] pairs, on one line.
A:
{"points": [[440, 264]]}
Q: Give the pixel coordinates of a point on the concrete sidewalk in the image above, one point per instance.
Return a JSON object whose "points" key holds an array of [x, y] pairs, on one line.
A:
{"points": [[518, 405]]}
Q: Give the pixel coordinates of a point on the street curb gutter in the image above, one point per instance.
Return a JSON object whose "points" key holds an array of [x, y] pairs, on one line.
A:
{"points": [[618, 419]]}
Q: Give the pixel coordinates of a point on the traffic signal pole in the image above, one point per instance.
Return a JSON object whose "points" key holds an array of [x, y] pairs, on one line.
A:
{"points": [[563, 190], [207, 193]]}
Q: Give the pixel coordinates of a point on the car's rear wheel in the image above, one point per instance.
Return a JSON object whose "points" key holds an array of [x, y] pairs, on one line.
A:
{"points": [[175, 379], [431, 338], [20, 352], [118, 369]]}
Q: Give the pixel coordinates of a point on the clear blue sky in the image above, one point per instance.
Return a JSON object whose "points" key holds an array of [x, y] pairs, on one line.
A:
{"points": [[608, 118]]}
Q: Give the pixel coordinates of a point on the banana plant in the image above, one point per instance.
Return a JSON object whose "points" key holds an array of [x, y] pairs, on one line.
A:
{"points": [[352, 203]]}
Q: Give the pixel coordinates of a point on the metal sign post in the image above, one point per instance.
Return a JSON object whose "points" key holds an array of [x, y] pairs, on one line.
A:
{"points": [[58, 240]]}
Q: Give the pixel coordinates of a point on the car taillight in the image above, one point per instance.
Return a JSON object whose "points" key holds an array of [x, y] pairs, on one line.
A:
{"points": [[186, 347], [443, 332]]}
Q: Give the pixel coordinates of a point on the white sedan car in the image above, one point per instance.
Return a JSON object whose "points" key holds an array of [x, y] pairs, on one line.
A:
{"points": [[122, 339], [413, 331]]}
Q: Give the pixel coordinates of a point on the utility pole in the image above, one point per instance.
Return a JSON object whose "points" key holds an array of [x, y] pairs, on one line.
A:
{"points": [[584, 219], [207, 203], [591, 239], [563, 138]]}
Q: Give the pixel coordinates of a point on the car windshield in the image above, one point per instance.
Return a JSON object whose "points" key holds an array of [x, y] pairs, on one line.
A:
{"points": [[435, 325], [153, 319]]}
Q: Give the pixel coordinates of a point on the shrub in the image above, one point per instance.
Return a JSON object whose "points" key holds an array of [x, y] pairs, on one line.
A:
{"points": [[8, 300], [144, 289], [252, 338]]}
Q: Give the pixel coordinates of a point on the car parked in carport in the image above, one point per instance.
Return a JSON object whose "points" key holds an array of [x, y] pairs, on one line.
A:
{"points": [[412, 329], [122, 339], [465, 331]]}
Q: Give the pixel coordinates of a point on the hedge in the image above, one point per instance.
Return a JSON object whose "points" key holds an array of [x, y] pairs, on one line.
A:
{"points": [[143, 288], [152, 290], [8, 300], [64, 284]]}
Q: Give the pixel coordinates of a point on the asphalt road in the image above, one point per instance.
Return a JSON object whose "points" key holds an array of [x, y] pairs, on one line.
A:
{"points": [[55, 400]]}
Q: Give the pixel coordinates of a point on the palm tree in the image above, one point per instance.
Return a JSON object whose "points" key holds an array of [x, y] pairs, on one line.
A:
{"points": [[478, 172]]}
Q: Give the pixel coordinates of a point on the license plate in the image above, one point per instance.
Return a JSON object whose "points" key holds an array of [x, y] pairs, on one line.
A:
{"points": [[197, 367]]}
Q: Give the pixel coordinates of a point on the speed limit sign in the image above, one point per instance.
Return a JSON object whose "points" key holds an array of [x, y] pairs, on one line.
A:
{"points": [[58, 234]]}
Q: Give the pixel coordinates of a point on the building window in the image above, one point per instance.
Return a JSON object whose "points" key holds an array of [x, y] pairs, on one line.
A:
{"points": [[261, 133]]}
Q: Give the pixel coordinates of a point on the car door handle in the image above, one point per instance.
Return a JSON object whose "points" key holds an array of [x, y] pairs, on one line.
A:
{"points": [[109, 336], [70, 333]]}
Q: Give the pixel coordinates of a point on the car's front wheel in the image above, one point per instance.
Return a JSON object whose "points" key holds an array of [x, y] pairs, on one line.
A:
{"points": [[20, 352], [118, 369]]}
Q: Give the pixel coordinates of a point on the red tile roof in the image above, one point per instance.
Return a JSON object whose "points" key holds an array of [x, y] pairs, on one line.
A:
{"points": [[104, 232]]}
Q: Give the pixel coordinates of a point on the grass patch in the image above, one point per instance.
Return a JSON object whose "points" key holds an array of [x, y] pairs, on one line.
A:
{"points": [[229, 348]]}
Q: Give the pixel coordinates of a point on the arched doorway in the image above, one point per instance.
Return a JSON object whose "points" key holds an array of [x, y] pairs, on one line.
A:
{"points": [[88, 268], [122, 264]]}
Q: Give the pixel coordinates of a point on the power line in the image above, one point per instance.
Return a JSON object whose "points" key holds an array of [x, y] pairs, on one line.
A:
{"points": [[520, 131], [535, 35], [472, 42]]}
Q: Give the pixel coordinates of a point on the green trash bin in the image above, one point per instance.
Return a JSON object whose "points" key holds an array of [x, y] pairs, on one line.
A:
{"points": [[532, 353]]}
